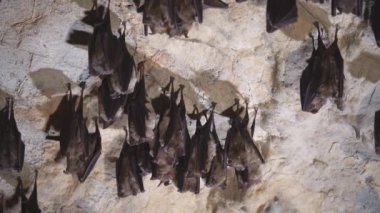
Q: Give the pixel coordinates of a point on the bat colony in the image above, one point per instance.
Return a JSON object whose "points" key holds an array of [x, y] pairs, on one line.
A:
{"points": [[163, 147]]}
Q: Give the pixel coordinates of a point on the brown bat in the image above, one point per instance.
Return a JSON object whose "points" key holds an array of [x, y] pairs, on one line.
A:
{"points": [[247, 177], [161, 106], [104, 50], [239, 143], [12, 148], [175, 139], [280, 14], [377, 132], [141, 119], [374, 16], [111, 103], [128, 173], [323, 77], [28, 205], [122, 78], [81, 148]]}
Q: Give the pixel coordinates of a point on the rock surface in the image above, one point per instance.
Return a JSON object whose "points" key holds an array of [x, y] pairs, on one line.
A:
{"points": [[314, 163]]}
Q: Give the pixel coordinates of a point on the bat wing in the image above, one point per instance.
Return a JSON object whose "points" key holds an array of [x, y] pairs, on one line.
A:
{"points": [[217, 174], [377, 132], [128, 176], [94, 149], [30, 205], [122, 76], [104, 50], [280, 14], [144, 160], [339, 70], [138, 113], [12, 147], [111, 103], [198, 4], [375, 21]]}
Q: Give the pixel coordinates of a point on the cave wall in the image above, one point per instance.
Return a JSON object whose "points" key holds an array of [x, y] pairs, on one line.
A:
{"points": [[322, 162]]}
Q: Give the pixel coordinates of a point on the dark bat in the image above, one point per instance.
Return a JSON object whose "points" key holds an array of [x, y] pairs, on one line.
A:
{"points": [[121, 79], [12, 148], [175, 139], [377, 132], [217, 175], [188, 171], [140, 115], [347, 6], [375, 21], [323, 77], [111, 103], [29, 205], [128, 173], [104, 50], [161, 106], [81, 148], [280, 14], [246, 177], [239, 142]]}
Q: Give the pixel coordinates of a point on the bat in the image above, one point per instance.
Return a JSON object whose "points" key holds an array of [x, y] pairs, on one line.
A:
{"points": [[239, 142], [12, 148], [246, 177], [122, 78], [172, 17], [323, 77], [161, 106], [375, 21], [187, 170], [128, 173], [141, 120], [377, 132], [172, 138], [104, 50], [29, 205], [111, 103], [347, 6], [280, 14], [81, 148]]}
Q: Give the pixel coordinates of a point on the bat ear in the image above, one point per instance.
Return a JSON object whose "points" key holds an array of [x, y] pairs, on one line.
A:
{"points": [[168, 86]]}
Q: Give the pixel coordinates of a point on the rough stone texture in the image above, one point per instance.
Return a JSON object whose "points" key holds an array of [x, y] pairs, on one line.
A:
{"points": [[315, 163]]}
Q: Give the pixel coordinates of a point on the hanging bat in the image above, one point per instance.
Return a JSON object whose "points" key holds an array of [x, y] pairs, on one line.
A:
{"points": [[375, 21], [173, 17], [280, 14], [122, 80], [175, 139], [12, 147], [239, 142], [141, 119], [188, 170], [377, 132], [111, 103], [347, 6], [29, 205], [81, 148], [128, 173], [161, 106], [323, 77], [104, 50], [246, 177]]}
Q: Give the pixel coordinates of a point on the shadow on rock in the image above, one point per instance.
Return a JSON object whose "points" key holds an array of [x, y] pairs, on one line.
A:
{"points": [[50, 81]]}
